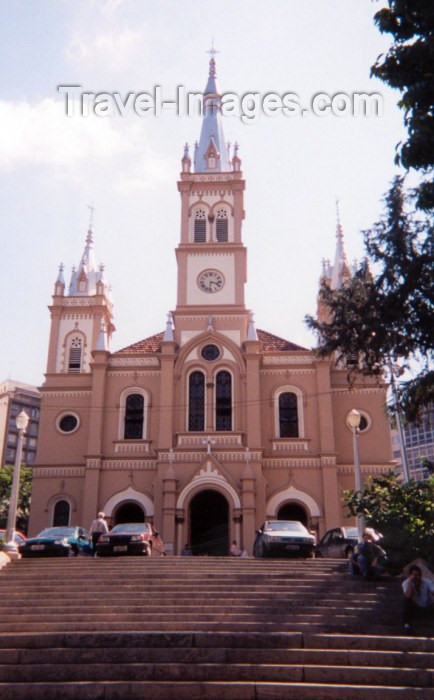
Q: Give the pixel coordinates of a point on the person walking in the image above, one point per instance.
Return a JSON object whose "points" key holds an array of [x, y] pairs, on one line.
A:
{"points": [[98, 527]]}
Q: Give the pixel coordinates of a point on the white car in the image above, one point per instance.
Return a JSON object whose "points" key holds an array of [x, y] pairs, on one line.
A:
{"points": [[283, 538]]}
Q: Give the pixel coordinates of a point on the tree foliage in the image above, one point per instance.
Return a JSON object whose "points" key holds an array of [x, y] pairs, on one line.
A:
{"points": [[23, 510], [409, 67], [403, 513], [390, 315]]}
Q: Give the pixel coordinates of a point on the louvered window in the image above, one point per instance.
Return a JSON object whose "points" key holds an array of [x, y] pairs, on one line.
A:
{"points": [[223, 401], [222, 226], [134, 413], [288, 415], [196, 401], [200, 226], [75, 355]]}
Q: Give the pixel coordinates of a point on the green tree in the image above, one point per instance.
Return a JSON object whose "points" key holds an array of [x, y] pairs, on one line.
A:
{"points": [[390, 315], [23, 510], [403, 513], [409, 67]]}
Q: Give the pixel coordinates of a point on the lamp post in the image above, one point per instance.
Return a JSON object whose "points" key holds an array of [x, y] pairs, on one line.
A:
{"points": [[354, 418], [395, 370], [22, 421]]}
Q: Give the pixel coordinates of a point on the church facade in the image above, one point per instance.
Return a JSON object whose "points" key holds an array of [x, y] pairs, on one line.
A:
{"points": [[211, 426]]}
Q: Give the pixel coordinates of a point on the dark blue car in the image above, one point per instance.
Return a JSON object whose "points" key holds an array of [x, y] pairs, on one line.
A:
{"points": [[58, 542]]}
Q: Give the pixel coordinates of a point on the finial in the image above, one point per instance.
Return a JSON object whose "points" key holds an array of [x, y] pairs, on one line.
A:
{"points": [[236, 147], [92, 209], [168, 333], [212, 51], [186, 150], [339, 232]]}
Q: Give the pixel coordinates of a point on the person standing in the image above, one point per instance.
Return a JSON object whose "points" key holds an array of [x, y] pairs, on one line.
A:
{"points": [[98, 527]]}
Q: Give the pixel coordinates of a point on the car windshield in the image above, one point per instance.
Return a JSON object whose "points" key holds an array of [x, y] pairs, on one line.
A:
{"points": [[132, 527], [350, 532], [290, 525], [57, 532]]}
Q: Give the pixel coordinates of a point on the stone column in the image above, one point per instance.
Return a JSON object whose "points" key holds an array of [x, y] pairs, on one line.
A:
{"points": [[248, 507], [169, 510]]}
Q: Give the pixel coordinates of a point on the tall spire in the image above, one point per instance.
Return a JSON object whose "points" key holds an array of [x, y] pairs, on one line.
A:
{"points": [[341, 269], [211, 154]]}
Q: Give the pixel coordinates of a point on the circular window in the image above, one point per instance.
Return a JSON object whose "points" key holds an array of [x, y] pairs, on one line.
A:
{"points": [[210, 352], [365, 422], [68, 423]]}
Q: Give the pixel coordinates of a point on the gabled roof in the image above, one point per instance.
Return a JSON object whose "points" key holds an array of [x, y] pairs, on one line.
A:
{"points": [[270, 342]]}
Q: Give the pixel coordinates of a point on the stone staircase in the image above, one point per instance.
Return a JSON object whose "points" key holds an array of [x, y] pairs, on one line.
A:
{"points": [[205, 628]]}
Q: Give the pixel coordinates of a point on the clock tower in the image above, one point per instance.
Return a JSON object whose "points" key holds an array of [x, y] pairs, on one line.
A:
{"points": [[211, 256]]}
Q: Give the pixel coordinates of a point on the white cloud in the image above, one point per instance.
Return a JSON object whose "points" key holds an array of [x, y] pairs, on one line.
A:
{"points": [[72, 147]]}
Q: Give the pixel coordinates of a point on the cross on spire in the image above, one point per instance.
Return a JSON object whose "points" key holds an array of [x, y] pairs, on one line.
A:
{"points": [[212, 52]]}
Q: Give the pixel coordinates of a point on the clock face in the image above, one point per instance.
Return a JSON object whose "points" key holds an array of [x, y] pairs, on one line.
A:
{"points": [[210, 281]]}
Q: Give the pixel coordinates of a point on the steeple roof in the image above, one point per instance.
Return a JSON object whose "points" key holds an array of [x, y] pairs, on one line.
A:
{"points": [[85, 278], [212, 130]]}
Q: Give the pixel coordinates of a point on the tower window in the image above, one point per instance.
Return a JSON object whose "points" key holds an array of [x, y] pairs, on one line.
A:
{"points": [[75, 354], [222, 226], [288, 415], [134, 414], [223, 401], [200, 226], [196, 401]]}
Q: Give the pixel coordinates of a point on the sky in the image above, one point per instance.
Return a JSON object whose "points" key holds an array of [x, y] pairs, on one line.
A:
{"points": [[53, 167]]}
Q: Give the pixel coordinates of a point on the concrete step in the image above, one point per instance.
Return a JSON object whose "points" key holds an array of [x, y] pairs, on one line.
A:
{"points": [[223, 655], [211, 690], [201, 672]]}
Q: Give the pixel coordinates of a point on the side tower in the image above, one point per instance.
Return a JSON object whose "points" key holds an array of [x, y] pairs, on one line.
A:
{"points": [[81, 319]]}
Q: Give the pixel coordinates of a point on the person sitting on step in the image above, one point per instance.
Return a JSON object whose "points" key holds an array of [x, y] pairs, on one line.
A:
{"points": [[418, 596], [369, 558]]}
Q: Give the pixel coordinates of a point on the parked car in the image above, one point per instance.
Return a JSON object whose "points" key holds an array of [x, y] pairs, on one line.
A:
{"points": [[57, 542], [283, 538], [338, 542], [18, 538], [131, 538]]}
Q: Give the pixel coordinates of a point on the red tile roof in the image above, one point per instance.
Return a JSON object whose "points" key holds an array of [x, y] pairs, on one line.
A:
{"points": [[151, 344], [270, 342]]}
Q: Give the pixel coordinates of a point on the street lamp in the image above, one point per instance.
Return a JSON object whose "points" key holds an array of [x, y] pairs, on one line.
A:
{"points": [[354, 418], [22, 421]]}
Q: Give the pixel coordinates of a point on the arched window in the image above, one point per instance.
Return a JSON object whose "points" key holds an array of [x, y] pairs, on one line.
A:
{"points": [[200, 226], [223, 403], [134, 415], [196, 401], [288, 415], [75, 355], [222, 226], [61, 513]]}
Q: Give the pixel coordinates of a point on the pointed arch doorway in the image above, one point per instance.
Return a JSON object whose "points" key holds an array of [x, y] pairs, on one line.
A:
{"points": [[293, 511], [209, 523], [129, 512]]}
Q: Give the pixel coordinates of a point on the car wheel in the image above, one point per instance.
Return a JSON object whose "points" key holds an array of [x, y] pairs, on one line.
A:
{"points": [[318, 555], [147, 551], [73, 552]]}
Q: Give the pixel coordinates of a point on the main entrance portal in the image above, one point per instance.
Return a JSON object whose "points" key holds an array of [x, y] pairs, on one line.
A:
{"points": [[209, 532]]}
